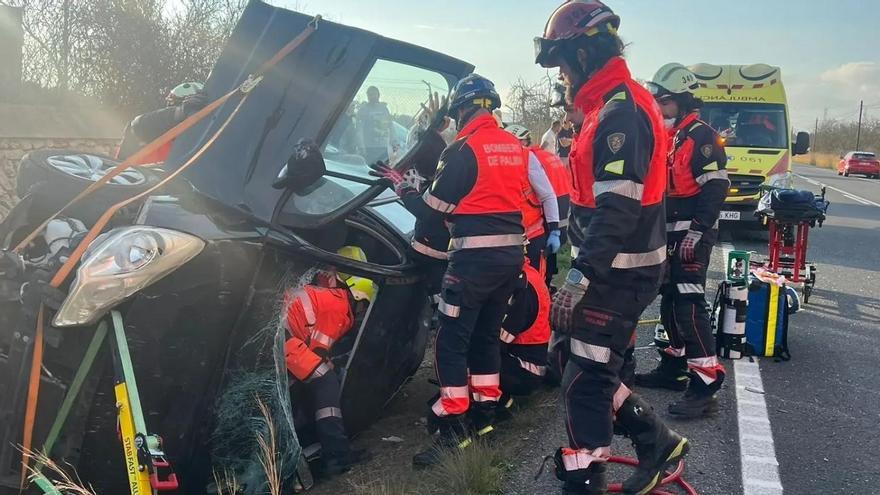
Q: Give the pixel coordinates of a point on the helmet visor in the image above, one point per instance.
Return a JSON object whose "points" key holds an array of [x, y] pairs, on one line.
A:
{"points": [[547, 52], [657, 91]]}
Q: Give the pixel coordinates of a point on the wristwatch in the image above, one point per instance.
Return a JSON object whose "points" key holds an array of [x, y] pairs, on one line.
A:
{"points": [[575, 277]]}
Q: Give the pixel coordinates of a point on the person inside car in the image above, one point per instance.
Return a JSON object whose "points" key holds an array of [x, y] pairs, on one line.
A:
{"points": [[374, 126], [316, 317]]}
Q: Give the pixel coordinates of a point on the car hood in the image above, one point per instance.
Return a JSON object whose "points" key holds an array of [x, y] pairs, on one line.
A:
{"points": [[299, 98]]}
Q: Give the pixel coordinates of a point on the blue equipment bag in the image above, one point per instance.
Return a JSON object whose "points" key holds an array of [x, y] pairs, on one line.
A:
{"points": [[767, 320]]}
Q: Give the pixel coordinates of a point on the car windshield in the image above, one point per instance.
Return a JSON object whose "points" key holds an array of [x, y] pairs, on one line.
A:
{"points": [[748, 125], [380, 123], [864, 156]]}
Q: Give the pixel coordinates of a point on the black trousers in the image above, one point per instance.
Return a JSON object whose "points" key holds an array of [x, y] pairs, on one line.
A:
{"points": [[604, 323], [523, 368], [329, 427], [683, 308], [467, 356], [535, 250]]}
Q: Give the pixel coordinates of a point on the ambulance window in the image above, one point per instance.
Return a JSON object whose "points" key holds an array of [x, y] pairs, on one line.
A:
{"points": [[748, 125]]}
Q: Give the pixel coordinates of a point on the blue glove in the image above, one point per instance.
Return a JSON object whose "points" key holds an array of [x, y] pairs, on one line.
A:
{"points": [[554, 241]]}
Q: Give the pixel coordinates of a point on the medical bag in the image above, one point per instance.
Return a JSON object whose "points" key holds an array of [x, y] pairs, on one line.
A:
{"points": [[767, 320]]}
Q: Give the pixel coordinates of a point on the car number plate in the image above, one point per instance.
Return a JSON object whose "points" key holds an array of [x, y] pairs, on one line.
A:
{"points": [[729, 215]]}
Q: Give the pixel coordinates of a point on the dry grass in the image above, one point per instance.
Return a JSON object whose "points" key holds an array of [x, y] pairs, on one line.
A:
{"points": [[476, 470], [821, 160], [269, 451], [386, 485], [59, 478], [226, 483]]}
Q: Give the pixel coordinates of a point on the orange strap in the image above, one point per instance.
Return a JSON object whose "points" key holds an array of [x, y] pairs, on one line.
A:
{"points": [[67, 267]]}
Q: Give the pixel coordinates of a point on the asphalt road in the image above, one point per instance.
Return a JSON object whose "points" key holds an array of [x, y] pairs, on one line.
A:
{"points": [[815, 429]]}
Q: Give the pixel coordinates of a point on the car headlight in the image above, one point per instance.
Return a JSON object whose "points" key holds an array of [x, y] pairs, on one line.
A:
{"points": [[118, 265], [782, 180]]}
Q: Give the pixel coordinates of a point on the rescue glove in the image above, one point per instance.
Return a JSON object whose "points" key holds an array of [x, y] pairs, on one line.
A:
{"points": [[554, 241], [689, 245], [566, 299], [402, 184], [436, 109]]}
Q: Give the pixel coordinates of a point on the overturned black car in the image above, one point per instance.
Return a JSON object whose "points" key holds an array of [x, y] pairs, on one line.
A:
{"points": [[182, 289]]}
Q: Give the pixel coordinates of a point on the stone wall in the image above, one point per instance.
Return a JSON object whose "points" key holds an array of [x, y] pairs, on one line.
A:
{"points": [[13, 148]]}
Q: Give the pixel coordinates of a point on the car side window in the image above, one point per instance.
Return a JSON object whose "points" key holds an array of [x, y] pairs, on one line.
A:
{"points": [[381, 122]]}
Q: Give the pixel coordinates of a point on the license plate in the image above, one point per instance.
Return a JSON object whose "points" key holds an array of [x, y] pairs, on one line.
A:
{"points": [[729, 215]]}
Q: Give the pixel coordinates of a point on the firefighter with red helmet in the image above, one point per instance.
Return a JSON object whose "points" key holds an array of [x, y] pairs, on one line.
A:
{"points": [[478, 192], [619, 178], [525, 333], [316, 318], [696, 190], [560, 180]]}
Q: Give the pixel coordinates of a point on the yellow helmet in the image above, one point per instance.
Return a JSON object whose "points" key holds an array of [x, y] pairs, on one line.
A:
{"points": [[352, 253], [362, 289]]}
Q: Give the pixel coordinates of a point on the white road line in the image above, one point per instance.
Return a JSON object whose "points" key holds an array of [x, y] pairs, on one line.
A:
{"points": [[849, 195], [760, 469]]}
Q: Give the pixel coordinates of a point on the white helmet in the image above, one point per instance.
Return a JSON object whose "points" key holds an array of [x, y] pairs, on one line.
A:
{"points": [[521, 132], [672, 79]]}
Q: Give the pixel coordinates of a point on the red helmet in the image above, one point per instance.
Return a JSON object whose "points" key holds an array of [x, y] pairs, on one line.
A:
{"points": [[572, 19]]}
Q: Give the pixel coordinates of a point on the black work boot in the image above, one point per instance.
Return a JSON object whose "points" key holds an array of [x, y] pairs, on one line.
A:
{"points": [[656, 444], [699, 401], [504, 409], [453, 433], [338, 463], [670, 374], [482, 418], [588, 481]]}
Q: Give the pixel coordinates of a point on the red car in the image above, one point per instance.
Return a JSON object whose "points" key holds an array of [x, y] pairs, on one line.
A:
{"points": [[859, 162]]}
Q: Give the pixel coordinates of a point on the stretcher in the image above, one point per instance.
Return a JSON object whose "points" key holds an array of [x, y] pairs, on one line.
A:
{"points": [[789, 215]]}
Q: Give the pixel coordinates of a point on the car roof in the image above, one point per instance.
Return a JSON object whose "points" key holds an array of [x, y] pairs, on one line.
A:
{"points": [[299, 98]]}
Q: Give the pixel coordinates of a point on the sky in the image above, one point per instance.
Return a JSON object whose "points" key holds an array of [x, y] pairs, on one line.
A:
{"points": [[829, 52]]}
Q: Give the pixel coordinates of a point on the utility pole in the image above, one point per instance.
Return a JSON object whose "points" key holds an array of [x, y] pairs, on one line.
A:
{"points": [[859, 131], [815, 133]]}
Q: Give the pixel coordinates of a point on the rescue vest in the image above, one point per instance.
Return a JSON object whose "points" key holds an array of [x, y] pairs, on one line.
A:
{"points": [[592, 98], [539, 332], [502, 169], [532, 213], [560, 179], [318, 316], [682, 183]]}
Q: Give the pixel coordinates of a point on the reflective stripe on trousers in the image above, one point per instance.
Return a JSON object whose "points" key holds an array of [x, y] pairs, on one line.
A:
{"points": [[485, 388], [328, 412], [455, 398], [575, 460], [506, 336], [429, 251], [322, 338], [592, 352], [532, 367], [487, 241]]}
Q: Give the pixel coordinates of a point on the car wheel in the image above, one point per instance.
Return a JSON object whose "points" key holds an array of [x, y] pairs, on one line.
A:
{"points": [[839, 172], [57, 176], [846, 173]]}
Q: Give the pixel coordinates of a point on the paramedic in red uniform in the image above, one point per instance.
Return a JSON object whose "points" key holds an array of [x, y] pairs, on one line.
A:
{"points": [[695, 194], [316, 318], [619, 175], [478, 191], [524, 336]]}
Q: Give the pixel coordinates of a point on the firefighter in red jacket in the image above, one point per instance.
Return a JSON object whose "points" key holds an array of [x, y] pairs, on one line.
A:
{"points": [[560, 180], [619, 178], [317, 318], [524, 336], [697, 187], [478, 191]]}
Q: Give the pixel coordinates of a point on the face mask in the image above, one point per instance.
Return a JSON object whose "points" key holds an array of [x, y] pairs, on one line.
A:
{"points": [[669, 123]]}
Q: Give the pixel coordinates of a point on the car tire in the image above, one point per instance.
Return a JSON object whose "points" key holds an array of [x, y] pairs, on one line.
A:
{"points": [[846, 174], [55, 176], [839, 172]]}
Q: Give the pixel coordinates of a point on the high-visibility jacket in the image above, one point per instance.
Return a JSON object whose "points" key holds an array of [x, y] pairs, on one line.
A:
{"points": [[618, 168], [560, 179], [316, 318], [528, 317], [698, 180]]}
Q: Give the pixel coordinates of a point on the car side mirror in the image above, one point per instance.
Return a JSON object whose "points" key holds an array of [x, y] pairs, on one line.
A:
{"points": [[304, 168], [801, 144]]}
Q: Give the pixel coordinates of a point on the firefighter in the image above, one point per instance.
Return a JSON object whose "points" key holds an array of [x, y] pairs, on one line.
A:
{"points": [[478, 192], [524, 336], [560, 180], [316, 318], [619, 177], [695, 193], [182, 101], [540, 208]]}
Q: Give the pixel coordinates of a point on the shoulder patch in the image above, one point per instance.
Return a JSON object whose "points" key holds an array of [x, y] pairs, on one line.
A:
{"points": [[616, 141], [706, 150]]}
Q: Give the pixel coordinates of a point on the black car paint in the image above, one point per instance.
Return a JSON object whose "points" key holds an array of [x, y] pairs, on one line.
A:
{"points": [[188, 330]]}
